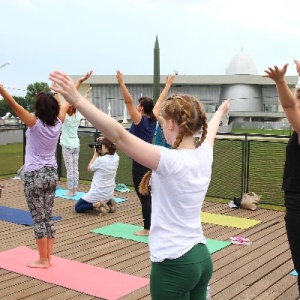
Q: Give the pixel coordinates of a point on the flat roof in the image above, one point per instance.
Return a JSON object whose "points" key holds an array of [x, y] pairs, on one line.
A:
{"points": [[187, 79]]}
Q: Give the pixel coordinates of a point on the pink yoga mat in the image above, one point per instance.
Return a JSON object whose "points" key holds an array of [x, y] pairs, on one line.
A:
{"points": [[91, 280]]}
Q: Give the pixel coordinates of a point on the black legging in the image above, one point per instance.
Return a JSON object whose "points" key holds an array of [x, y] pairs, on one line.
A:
{"points": [[292, 224], [138, 172]]}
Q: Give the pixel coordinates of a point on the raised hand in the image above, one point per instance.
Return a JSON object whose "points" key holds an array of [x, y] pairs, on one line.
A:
{"points": [[224, 107], [297, 62], [86, 76], [275, 73], [120, 77], [63, 84], [170, 80]]}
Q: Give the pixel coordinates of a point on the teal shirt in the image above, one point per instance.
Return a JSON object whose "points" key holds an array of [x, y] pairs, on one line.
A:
{"points": [[160, 139], [69, 135]]}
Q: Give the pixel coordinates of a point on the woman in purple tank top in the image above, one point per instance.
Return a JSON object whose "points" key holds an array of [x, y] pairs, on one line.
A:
{"points": [[40, 168]]}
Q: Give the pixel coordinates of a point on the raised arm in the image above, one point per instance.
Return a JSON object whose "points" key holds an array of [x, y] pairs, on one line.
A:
{"points": [[162, 97], [25, 116], [213, 124], [63, 107], [83, 78], [135, 115], [87, 93], [63, 110], [287, 99], [95, 156], [141, 151]]}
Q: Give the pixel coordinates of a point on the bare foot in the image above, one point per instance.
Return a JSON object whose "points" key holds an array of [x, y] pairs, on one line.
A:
{"points": [[69, 194], [144, 232], [39, 264], [96, 205]]}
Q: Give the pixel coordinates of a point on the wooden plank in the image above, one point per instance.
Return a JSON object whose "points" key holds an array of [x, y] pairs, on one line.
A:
{"points": [[258, 271]]}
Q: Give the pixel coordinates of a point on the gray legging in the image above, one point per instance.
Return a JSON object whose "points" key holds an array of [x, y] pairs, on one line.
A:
{"points": [[71, 156], [39, 188]]}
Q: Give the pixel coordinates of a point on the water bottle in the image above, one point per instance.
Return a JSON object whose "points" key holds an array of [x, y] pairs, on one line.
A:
{"points": [[208, 295]]}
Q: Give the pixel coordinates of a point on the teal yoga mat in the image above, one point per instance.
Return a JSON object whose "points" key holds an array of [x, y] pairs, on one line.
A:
{"points": [[294, 273], [126, 231], [60, 193]]}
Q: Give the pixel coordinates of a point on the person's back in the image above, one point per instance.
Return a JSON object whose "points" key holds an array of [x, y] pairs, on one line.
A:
{"points": [[145, 129], [188, 173], [41, 142], [183, 117], [103, 183], [104, 165], [69, 135]]}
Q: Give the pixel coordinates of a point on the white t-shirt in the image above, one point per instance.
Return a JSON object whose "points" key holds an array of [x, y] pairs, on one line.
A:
{"points": [[178, 188], [103, 183]]}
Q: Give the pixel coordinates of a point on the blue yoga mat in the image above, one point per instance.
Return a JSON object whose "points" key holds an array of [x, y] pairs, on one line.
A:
{"points": [[18, 216], [294, 273], [60, 192]]}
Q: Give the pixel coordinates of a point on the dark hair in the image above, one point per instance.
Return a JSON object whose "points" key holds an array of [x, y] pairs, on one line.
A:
{"points": [[109, 145], [148, 105], [46, 108]]}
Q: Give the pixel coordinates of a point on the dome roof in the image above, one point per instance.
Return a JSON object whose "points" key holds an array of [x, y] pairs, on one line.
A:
{"points": [[241, 64]]}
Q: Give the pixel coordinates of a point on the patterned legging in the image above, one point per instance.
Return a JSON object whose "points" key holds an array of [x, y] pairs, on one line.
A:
{"points": [[71, 156], [39, 188]]}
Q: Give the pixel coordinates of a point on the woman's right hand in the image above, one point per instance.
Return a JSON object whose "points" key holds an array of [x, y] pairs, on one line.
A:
{"points": [[170, 80], [275, 73], [224, 107], [297, 62], [120, 77]]}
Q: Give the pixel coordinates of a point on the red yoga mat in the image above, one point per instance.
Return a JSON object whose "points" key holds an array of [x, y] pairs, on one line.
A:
{"points": [[91, 280]]}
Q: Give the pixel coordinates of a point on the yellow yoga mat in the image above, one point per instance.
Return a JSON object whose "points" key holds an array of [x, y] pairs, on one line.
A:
{"points": [[229, 221]]}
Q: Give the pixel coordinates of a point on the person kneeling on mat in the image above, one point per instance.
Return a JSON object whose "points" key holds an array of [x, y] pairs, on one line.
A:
{"points": [[104, 165]]}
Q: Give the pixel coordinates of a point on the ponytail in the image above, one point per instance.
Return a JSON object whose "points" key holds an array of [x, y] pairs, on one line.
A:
{"points": [[144, 187]]}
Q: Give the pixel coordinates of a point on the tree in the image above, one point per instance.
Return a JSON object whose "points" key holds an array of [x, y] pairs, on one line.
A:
{"points": [[5, 108], [32, 90], [28, 101]]}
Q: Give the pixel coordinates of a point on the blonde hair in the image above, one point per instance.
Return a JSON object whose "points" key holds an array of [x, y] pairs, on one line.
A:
{"points": [[189, 115]]}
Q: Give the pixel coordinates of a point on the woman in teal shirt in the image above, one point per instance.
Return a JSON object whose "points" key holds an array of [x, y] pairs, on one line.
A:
{"points": [[70, 143]]}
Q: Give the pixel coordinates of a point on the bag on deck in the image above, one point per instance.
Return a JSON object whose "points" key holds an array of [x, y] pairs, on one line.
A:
{"points": [[250, 201]]}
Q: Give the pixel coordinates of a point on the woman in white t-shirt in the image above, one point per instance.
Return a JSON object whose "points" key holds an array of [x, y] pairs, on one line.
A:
{"points": [[181, 263], [104, 165]]}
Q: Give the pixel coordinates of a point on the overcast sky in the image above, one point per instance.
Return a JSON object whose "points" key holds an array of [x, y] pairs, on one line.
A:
{"points": [[196, 37]]}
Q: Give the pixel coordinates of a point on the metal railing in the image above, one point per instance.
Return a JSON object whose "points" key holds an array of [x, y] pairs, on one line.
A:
{"points": [[242, 163]]}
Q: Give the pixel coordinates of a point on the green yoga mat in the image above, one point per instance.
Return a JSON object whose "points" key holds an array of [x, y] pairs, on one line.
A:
{"points": [[126, 231], [223, 220]]}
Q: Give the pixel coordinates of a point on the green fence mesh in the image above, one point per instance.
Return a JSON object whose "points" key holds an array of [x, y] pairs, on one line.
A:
{"points": [[242, 163], [266, 161]]}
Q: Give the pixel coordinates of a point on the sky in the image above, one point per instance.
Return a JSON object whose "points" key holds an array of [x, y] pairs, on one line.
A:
{"points": [[196, 37]]}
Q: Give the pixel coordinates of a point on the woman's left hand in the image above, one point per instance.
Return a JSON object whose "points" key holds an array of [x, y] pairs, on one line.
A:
{"points": [[63, 84]]}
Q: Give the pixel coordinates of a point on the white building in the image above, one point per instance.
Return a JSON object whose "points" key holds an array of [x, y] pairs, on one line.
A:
{"points": [[254, 98]]}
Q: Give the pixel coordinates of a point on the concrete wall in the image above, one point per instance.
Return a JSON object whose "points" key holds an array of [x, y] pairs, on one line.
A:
{"points": [[8, 136]]}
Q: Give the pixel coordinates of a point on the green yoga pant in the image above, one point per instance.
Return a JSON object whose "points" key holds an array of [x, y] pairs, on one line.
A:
{"points": [[184, 278]]}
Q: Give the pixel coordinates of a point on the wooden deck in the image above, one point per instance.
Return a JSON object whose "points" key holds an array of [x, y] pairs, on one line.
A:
{"points": [[258, 271]]}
